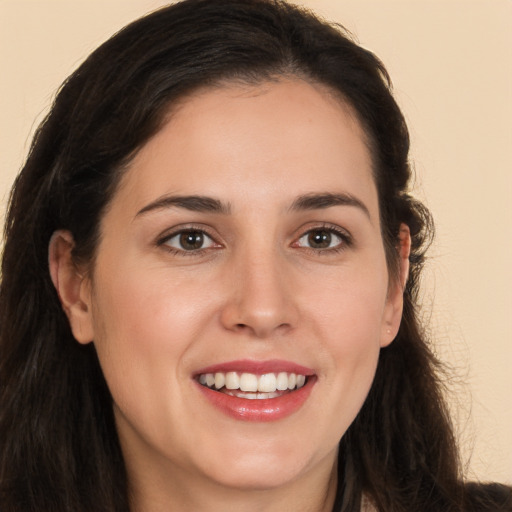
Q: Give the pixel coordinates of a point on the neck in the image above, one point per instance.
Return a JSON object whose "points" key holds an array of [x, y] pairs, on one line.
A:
{"points": [[178, 491]]}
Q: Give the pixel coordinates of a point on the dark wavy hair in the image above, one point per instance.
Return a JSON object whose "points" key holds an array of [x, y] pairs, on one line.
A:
{"points": [[59, 449]]}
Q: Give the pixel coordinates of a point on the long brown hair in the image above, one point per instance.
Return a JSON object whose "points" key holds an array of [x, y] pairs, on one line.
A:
{"points": [[59, 449]]}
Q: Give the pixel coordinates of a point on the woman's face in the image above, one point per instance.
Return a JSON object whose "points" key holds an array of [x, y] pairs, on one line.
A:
{"points": [[243, 241]]}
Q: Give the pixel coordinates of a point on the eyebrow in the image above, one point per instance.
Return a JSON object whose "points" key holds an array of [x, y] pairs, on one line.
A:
{"points": [[196, 203], [192, 203], [319, 201]]}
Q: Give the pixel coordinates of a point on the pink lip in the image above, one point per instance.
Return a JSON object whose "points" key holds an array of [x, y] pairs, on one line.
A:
{"points": [[268, 409], [257, 367]]}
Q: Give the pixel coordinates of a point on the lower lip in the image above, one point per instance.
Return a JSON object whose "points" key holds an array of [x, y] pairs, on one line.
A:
{"points": [[267, 409]]}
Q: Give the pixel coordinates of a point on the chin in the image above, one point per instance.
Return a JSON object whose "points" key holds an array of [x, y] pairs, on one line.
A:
{"points": [[252, 476], [264, 468]]}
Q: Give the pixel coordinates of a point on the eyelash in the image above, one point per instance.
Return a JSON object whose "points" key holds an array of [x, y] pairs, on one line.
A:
{"points": [[164, 241], [344, 236]]}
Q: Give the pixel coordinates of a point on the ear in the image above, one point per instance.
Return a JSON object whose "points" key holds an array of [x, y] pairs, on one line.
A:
{"points": [[395, 299], [73, 288]]}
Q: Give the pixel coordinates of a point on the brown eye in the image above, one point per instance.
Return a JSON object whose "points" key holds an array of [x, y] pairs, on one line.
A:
{"points": [[321, 239], [190, 240]]}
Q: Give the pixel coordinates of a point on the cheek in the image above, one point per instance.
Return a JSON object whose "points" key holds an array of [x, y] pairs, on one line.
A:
{"points": [[350, 310], [144, 327], [147, 310], [348, 320]]}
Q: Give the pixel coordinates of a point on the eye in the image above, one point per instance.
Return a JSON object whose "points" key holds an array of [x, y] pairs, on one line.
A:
{"points": [[322, 239], [189, 240]]}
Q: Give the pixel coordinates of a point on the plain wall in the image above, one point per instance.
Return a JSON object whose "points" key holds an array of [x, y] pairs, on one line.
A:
{"points": [[451, 64]]}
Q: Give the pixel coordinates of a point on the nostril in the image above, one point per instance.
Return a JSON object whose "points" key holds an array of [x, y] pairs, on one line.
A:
{"points": [[255, 318], [243, 328]]}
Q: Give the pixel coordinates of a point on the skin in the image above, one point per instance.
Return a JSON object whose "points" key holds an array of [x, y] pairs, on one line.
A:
{"points": [[257, 290]]}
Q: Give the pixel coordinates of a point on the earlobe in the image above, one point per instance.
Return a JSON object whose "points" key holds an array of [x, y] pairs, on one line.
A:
{"points": [[395, 301], [72, 287]]}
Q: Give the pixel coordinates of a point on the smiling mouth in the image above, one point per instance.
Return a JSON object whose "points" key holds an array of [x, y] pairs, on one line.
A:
{"points": [[252, 386]]}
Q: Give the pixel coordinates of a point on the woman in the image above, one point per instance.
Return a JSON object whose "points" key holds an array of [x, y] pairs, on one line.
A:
{"points": [[220, 191]]}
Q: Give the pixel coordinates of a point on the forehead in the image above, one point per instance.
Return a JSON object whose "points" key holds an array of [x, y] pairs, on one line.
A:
{"points": [[259, 142]]}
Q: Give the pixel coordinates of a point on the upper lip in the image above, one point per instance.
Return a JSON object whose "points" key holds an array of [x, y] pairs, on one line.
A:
{"points": [[257, 367]]}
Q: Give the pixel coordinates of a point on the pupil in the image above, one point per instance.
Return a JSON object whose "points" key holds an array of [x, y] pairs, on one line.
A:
{"points": [[319, 239], [191, 240]]}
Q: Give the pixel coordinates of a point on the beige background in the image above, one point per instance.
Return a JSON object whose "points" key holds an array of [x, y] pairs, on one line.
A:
{"points": [[451, 63]]}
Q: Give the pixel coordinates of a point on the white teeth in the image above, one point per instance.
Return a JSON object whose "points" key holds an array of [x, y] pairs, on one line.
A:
{"points": [[253, 396], [247, 383], [232, 380], [220, 380], [267, 383], [210, 380], [282, 381]]}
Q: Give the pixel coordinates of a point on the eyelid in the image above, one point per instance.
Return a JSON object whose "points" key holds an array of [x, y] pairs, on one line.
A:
{"points": [[184, 228], [342, 233]]}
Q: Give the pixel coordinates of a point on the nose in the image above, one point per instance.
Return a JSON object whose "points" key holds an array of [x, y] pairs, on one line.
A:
{"points": [[260, 301]]}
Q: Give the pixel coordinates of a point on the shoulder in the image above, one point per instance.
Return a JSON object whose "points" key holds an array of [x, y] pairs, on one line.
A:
{"points": [[488, 498], [366, 505], [477, 498]]}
